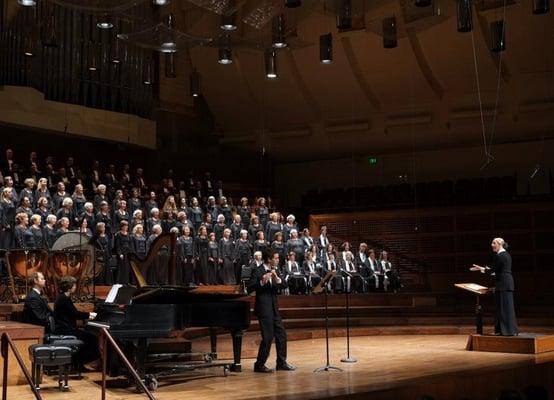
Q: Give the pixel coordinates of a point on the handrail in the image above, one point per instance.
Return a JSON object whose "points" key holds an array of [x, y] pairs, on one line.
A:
{"points": [[7, 340], [105, 337]]}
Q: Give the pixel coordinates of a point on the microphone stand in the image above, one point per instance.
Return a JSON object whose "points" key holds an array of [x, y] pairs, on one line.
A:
{"points": [[348, 359], [327, 367]]}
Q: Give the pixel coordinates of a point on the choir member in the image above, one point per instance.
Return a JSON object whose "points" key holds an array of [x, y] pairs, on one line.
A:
{"points": [[153, 220], [354, 281], [42, 191], [50, 232], [8, 163], [245, 212], [84, 227], [8, 183], [295, 244], [344, 248], [104, 216], [195, 214], [296, 280], [393, 280], [79, 200], [50, 178], [308, 241], [225, 209], [208, 222], [103, 247], [226, 254], [219, 227], [214, 260], [139, 180], [182, 221], [242, 254], [150, 204], [170, 206], [66, 317], [278, 245], [8, 218], [42, 209], [260, 244], [63, 226], [25, 207], [337, 284], [289, 226], [100, 197], [67, 211], [211, 208], [28, 191], [158, 273], [201, 252], [262, 212], [207, 186], [138, 241], [311, 270], [186, 256], [183, 207], [121, 213], [505, 323], [375, 275], [134, 202], [23, 236], [88, 213], [118, 197], [122, 248], [126, 176], [254, 228], [273, 226], [59, 196], [322, 240], [95, 179], [236, 227], [70, 170], [168, 222], [36, 232]]}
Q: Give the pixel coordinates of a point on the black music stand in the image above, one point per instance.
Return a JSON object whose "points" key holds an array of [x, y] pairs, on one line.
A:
{"points": [[348, 359], [316, 290]]}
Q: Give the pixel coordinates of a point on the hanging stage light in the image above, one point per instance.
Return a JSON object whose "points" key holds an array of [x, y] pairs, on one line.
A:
{"points": [[498, 38], [160, 2], [225, 55], [293, 3], [541, 6], [27, 3], [326, 48], [465, 19], [390, 41], [228, 22], [104, 22], [423, 3], [170, 69], [147, 73], [271, 64], [115, 51], [28, 48], [344, 14], [169, 45], [92, 57], [194, 83], [278, 32]]}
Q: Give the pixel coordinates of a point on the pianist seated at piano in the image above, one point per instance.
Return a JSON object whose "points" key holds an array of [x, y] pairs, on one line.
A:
{"points": [[66, 316]]}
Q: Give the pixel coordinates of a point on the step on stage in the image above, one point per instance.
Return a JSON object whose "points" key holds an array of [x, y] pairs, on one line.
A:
{"points": [[388, 367], [524, 343]]}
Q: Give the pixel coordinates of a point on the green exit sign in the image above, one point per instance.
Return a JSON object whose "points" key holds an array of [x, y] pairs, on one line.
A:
{"points": [[372, 160]]}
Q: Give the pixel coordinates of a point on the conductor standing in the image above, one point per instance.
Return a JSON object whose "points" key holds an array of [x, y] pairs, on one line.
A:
{"points": [[505, 315], [266, 282]]}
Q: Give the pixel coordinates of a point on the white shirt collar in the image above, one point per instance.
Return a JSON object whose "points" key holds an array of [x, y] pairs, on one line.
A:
{"points": [[502, 250], [36, 290]]}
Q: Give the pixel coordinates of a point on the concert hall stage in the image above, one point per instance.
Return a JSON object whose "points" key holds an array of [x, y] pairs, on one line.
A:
{"points": [[388, 367]]}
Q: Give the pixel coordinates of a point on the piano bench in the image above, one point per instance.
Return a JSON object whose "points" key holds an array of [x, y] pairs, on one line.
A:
{"points": [[47, 355]]}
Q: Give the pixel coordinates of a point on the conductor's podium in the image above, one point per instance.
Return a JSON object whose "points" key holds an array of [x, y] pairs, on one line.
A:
{"points": [[524, 343]]}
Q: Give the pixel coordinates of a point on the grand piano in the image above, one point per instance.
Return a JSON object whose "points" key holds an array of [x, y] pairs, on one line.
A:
{"points": [[142, 314]]}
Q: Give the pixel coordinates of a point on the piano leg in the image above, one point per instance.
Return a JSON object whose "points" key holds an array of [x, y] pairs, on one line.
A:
{"points": [[141, 353], [237, 350], [213, 343]]}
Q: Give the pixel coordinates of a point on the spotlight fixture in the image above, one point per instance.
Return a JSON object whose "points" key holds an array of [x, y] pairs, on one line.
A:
{"points": [[92, 57], [160, 2], [147, 77], [194, 83], [293, 3], [225, 52], [104, 22], [344, 14], [498, 39], [423, 3], [390, 40], [278, 32], [465, 21], [541, 7], [228, 22], [28, 49], [115, 55], [326, 48], [271, 64], [27, 3], [170, 70], [169, 45]]}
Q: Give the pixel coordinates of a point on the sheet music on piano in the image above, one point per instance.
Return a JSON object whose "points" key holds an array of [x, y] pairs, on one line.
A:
{"points": [[110, 298]]}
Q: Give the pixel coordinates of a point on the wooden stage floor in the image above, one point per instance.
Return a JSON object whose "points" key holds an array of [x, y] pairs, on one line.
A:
{"points": [[388, 367]]}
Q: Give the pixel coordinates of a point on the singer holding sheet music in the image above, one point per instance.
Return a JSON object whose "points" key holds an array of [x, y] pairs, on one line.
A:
{"points": [[505, 315]]}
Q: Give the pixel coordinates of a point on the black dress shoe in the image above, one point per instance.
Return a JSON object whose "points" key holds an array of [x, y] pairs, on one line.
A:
{"points": [[285, 367], [263, 369]]}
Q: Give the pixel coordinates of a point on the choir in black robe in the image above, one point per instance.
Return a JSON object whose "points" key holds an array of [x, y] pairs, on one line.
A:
{"points": [[213, 264], [227, 270], [122, 248], [185, 256], [104, 252], [202, 268]]}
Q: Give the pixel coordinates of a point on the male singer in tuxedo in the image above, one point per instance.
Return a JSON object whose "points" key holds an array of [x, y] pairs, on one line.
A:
{"points": [[266, 282], [36, 310], [505, 315]]}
